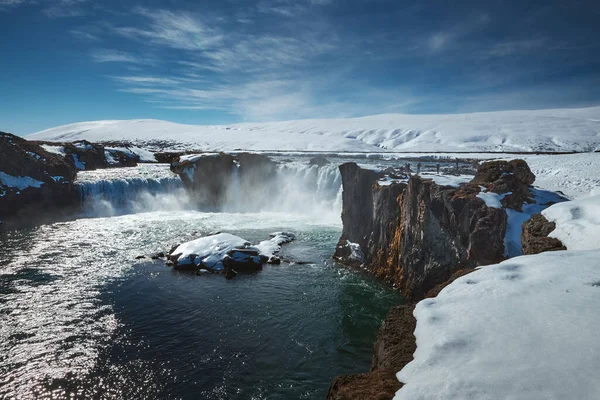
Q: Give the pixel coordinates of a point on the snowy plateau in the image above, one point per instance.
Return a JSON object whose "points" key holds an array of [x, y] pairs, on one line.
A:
{"points": [[503, 131]]}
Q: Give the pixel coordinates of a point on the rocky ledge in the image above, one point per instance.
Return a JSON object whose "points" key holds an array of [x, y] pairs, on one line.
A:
{"points": [[416, 233], [32, 180], [36, 178]]}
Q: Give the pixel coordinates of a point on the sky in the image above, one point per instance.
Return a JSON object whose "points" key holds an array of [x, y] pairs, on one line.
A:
{"points": [[228, 61]]}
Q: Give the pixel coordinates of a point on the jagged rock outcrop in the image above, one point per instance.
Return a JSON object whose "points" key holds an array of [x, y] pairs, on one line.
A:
{"points": [[503, 177], [416, 235], [214, 178], [534, 236], [32, 180]]}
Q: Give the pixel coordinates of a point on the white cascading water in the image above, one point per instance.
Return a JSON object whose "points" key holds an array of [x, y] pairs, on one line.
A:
{"points": [[147, 187], [299, 189]]}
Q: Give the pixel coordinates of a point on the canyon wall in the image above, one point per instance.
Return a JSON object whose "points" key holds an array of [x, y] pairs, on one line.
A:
{"points": [[415, 234]]}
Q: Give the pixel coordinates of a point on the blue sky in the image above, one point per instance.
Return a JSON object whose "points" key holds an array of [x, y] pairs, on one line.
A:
{"points": [[226, 61]]}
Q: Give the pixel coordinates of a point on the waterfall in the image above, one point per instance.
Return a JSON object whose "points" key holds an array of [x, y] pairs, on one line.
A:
{"points": [[130, 190], [296, 188]]}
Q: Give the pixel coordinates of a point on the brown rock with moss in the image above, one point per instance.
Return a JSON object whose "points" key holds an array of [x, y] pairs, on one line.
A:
{"points": [[534, 236], [511, 178]]}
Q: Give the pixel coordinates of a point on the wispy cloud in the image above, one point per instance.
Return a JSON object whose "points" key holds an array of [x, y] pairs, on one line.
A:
{"points": [[110, 56]]}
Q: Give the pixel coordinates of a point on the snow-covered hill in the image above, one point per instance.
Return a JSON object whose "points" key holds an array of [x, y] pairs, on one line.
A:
{"points": [[503, 131]]}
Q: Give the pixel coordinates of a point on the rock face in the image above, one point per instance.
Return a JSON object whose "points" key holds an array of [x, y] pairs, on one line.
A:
{"points": [[213, 179], [534, 236], [394, 349], [502, 177], [32, 180], [83, 155], [416, 235]]}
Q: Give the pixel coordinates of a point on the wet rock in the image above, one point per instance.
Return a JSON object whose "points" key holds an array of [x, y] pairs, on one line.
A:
{"points": [[319, 161], [230, 274], [377, 385], [534, 236], [158, 255], [243, 261], [208, 178], [140, 257], [170, 263], [274, 260], [173, 248]]}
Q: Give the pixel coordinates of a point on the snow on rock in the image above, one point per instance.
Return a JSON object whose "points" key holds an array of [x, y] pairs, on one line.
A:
{"points": [[273, 245], [195, 157], [60, 150], [210, 248], [19, 182], [492, 199], [216, 252], [78, 164], [577, 223], [502, 131], [134, 152], [525, 329], [442, 180]]}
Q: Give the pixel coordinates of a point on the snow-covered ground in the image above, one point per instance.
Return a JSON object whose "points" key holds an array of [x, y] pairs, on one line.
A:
{"points": [[502, 131], [577, 223], [576, 175], [523, 329]]}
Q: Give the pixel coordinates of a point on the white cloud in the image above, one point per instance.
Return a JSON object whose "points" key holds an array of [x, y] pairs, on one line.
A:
{"points": [[106, 55], [438, 41]]}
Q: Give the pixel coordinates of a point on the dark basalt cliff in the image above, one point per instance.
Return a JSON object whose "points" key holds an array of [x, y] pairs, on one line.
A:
{"points": [[214, 178], [32, 180], [415, 235]]}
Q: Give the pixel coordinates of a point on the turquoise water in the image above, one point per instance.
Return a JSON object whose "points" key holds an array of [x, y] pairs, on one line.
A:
{"points": [[80, 317]]}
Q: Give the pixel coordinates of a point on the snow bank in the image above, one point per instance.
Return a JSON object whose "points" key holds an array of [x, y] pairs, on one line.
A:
{"points": [[527, 130], [273, 245], [442, 180], [492, 199], [576, 175], [577, 223], [60, 150], [19, 182], [523, 329], [132, 151], [195, 157]]}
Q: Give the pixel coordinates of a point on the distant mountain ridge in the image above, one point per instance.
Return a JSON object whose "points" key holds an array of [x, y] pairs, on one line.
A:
{"points": [[557, 130]]}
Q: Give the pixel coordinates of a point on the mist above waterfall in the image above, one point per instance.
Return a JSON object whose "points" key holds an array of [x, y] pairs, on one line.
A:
{"points": [[295, 188]]}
